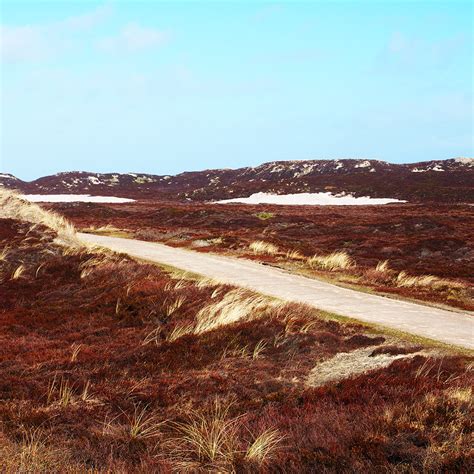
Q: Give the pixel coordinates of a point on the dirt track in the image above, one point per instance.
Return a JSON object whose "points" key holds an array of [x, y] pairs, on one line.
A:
{"points": [[450, 327]]}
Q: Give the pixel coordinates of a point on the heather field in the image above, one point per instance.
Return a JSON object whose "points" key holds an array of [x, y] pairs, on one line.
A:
{"points": [[109, 365], [236, 237], [422, 251]]}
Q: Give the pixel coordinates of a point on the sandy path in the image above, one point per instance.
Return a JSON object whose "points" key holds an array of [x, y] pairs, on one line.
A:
{"points": [[451, 327]]}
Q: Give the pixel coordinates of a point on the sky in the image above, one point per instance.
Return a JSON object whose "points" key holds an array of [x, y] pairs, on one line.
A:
{"points": [[165, 87]]}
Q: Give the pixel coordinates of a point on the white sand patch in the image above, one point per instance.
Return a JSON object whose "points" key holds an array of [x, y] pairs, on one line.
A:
{"points": [[308, 199], [74, 198], [348, 364], [364, 164], [94, 180], [465, 161]]}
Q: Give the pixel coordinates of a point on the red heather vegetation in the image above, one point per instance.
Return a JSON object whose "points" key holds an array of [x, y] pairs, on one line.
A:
{"points": [[422, 240], [108, 365]]}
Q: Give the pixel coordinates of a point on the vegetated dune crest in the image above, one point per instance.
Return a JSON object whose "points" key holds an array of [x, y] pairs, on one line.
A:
{"points": [[309, 199], [75, 198]]}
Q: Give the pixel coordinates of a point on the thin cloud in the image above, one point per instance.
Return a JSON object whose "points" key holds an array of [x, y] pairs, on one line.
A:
{"points": [[39, 42], [90, 19], [134, 38], [405, 52], [22, 43]]}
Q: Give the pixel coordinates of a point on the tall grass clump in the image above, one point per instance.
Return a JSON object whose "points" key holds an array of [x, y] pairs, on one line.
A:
{"points": [[4, 254], [33, 453], [236, 305], [212, 439], [428, 281], [141, 425], [294, 255], [18, 273], [382, 267], [207, 438], [263, 447], [13, 206], [332, 261], [60, 392], [261, 247]]}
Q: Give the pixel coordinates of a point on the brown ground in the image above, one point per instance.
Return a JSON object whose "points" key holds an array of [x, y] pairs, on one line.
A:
{"points": [[422, 239], [76, 376]]}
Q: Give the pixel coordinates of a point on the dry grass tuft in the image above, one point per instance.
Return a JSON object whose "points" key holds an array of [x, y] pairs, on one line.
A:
{"points": [[75, 349], [382, 267], [33, 454], [332, 261], [207, 438], [213, 440], [236, 305], [207, 282], [294, 255], [100, 260], [13, 206], [4, 253], [461, 395], [86, 396], [264, 446], [140, 425], [179, 331], [152, 336], [182, 283], [427, 281], [261, 247], [60, 393], [19, 272], [174, 306], [259, 349]]}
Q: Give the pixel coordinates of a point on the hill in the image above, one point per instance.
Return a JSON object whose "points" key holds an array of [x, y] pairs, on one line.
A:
{"points": [[429, 181]]}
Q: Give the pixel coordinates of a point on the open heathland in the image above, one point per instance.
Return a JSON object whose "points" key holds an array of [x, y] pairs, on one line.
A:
{"points": [[109, 365], [423, 251]]}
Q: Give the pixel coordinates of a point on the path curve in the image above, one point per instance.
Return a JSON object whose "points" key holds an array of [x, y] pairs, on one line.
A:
{"points": [[451, 327]]}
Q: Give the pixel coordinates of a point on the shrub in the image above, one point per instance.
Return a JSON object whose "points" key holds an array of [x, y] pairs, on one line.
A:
{"points": [[264, 215]]}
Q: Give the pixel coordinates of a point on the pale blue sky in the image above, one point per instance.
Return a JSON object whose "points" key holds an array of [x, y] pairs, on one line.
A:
{"points": [[163, 87]]}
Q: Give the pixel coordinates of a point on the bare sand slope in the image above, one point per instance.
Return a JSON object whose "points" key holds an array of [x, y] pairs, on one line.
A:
{"points": [[451, 327]]}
